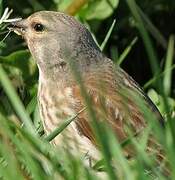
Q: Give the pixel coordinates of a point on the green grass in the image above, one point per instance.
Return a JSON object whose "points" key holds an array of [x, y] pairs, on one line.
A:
{"points": [[25, 154]]}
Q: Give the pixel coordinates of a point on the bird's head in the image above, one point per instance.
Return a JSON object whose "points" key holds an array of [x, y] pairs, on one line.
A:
{"points": [[52, 37]]}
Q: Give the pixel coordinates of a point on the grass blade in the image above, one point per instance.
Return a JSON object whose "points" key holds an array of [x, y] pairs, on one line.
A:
{"points": [[126, 51], [168, 64], [107, 36], [15, 100], [32, 104], [146, 39], [58, 130], [152, 29], [152, 80]]}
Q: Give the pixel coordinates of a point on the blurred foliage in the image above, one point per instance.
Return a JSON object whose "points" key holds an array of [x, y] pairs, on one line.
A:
{"points": [[124, 46]]}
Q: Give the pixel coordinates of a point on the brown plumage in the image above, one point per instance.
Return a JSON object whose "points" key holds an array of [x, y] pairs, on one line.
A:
{"points": [[56, 41]]}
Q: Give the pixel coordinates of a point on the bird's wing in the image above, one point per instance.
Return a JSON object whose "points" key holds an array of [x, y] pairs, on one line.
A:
{"points": [[110, 102], [111, 92]]}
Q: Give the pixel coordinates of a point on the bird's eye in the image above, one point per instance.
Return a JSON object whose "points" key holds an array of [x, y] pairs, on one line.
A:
{"points": [[38, 27]]}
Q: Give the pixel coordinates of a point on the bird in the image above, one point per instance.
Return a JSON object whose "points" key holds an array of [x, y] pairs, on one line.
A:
{"points": [[70, 62]]}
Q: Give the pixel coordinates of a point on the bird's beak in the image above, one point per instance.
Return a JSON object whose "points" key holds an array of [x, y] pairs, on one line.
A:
{"points": [[19, 27]]}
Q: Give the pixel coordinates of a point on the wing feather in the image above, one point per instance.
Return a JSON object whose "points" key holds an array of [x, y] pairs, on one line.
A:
{"points": [[104, 85]]}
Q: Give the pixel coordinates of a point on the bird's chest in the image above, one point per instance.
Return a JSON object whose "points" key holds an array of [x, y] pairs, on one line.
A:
{"points": [[56, 106]]}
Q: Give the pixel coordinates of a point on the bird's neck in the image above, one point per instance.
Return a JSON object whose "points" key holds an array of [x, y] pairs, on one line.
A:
{"points": [[63, 69]]}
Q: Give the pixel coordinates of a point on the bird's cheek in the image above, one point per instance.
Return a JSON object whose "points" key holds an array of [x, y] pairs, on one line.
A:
{"points": [[29, 38], [31, 44]]}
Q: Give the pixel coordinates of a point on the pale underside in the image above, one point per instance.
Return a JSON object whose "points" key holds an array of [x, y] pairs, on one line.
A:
{"points": [[58, 102]]}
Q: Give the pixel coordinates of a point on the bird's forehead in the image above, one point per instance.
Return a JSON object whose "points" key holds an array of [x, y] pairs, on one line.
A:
{"points": [[53, 17], [40, 17]]}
